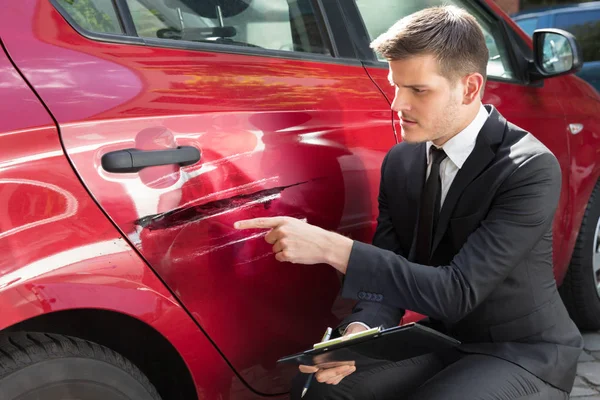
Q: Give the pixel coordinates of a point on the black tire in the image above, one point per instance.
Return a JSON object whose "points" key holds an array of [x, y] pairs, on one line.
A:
{"points": [[579, 291], [41, 366]]}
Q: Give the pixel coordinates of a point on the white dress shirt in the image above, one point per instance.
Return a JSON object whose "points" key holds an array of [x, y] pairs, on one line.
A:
{"points": [[458, 149]]}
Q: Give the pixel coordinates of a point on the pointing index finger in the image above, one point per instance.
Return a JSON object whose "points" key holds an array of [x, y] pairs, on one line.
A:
{"points": [[260, 223]]}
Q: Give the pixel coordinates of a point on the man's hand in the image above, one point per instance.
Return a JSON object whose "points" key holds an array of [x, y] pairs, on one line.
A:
{"points": [[333, 373], [297, 242]]}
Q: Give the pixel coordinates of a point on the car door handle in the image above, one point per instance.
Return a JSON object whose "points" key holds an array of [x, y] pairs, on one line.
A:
{"points": [[134, 160]]}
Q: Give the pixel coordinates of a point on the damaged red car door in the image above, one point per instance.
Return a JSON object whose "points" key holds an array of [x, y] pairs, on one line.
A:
{"points": [[177, 142]]}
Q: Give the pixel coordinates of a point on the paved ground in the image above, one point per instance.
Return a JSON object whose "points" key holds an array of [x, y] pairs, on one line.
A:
{"points": [[587, 383]]}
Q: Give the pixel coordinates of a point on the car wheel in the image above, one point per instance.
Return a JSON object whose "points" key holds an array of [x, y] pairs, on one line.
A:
{"points": [[581, 288], [41, 366]]}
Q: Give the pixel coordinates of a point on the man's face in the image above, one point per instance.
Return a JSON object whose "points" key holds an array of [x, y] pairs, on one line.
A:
{"points": [[428, 104]]}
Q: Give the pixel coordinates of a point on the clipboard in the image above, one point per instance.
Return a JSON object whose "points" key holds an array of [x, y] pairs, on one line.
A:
{"points": [[394, 344]]}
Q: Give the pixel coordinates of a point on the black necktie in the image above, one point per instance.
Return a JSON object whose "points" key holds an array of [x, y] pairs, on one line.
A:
{"points": [[430, 207]]}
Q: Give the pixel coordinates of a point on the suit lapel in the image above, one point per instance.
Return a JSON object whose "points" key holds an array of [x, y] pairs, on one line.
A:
{"points": [[484, 151]]}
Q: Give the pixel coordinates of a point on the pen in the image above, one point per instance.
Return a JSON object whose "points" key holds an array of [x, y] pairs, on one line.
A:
{"points": [[326, 336]]}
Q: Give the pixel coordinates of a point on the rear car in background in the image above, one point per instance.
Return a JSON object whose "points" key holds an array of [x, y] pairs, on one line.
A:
{"points": [[133, 133]]}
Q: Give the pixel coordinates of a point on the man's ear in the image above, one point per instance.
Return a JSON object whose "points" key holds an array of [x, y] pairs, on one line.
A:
{"points": [[473, 86]]}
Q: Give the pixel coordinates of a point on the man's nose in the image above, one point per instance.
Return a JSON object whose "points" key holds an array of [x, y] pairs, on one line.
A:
{"points": [[400, 104]]}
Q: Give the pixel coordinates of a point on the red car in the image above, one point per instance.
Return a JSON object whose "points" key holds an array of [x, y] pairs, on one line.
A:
{"points": [[133, 133]]}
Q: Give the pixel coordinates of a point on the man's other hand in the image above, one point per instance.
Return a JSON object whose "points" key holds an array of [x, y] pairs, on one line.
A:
{"points": [[330, 376], [333, 373]]}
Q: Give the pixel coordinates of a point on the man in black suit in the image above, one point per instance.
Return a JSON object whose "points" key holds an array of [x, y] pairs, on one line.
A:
{"points": [[464, 235]]}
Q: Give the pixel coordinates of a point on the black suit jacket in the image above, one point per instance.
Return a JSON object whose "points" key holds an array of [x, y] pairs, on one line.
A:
{"points": [[492, 284]]}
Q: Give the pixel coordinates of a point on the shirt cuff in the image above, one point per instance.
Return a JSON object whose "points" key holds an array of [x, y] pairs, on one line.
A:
{"points": [[355, 323]]}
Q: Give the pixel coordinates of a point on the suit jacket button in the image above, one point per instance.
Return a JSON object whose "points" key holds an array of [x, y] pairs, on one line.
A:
{"points": [[379, 297], [361, 295], [369, 296]]}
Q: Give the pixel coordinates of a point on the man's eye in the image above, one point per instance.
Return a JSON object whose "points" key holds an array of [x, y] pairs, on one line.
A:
{"points": [[418, 90]]}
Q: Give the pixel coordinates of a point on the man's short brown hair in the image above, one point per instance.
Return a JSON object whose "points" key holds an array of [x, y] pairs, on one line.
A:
{"points": [[449, 33]]}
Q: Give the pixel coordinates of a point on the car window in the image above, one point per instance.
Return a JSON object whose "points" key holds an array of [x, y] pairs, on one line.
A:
{"points": [[379, 15], [93, 15], [287, 25], [529, 25], [585, 26]]}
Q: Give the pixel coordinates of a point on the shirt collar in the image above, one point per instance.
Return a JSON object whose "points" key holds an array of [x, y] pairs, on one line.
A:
{"points": [[460, 146]]}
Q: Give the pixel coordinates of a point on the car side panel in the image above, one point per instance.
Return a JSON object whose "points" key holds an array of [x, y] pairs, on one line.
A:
{"points": [[278, 136], [581, 104], [58, 251]]}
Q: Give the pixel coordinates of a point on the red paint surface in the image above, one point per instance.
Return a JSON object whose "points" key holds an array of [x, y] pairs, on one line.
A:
{"points": [[277, 136]]}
